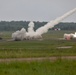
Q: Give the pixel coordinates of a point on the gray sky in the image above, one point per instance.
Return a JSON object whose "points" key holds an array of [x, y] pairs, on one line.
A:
{"points": [[36, 10]]}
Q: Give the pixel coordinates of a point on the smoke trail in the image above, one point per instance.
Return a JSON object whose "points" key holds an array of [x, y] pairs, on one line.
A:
{"points": [[51, 24]]}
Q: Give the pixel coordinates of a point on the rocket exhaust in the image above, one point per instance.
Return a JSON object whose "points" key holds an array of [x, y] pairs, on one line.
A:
{"points": [[31, 34], [51, 24]]}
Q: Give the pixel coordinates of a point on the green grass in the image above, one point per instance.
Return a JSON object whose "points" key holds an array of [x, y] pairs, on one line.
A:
{"points": [[37, 48], [6, 34], [58, 67]]}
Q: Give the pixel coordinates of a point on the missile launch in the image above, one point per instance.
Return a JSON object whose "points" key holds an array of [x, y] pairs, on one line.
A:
{"points": [[31, 34]]}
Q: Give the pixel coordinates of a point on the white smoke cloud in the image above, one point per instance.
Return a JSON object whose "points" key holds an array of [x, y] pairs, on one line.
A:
{"points": [[74, 36], [31, 27], [31, 34], [70, 36], [19, 35]]}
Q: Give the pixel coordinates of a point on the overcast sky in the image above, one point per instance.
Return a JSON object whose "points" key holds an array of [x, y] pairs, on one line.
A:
{"points": [[36, 10]]}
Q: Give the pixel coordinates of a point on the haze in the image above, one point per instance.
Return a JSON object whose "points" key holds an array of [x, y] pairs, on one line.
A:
{"points": [[36, 10]]}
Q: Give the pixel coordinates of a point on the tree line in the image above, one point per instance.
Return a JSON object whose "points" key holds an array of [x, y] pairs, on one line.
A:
{"points": [[17, 25]]}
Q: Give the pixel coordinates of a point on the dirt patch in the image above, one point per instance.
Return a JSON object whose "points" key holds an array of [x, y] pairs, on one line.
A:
{"points": [[64, 47], [53, 58]]}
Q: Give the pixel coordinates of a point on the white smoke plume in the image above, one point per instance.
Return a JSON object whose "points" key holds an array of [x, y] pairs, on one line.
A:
{"points": [[31, 27], [19, 35], [31, 34], [70, 36], [51, 24]]}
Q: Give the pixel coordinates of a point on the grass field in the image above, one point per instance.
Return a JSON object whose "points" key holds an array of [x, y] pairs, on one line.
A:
{"points": [[58, 67], [37, 48]]}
